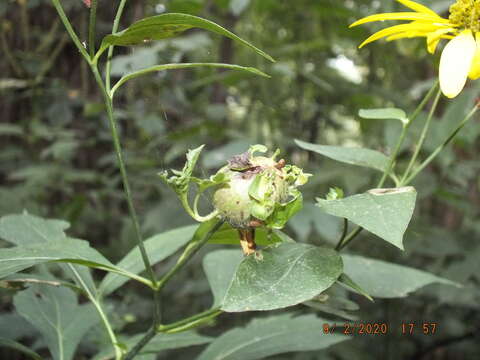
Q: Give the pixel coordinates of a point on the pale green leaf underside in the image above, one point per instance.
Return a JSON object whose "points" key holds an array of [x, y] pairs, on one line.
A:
{"points": [[354, 156], [383, 114], [281, 276], [164, 67], [158, 247], [55, 313], [168, 25], [387, 280], [384, 212], [269, 336]]}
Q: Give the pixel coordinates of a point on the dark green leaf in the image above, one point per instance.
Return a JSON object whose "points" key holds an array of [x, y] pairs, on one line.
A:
{"points": [[386, 280], [384, 212], [166, 26], [355, 156], [282, 276], [55, 313], [269, 336], [158, 247], [229, 236], [19, 347]]}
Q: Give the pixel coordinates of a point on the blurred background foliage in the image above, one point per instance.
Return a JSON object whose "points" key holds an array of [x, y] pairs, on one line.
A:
{"points": [[56, 157]]}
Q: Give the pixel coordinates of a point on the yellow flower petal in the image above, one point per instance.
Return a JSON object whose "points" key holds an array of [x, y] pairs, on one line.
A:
{"points": [[434, 37], [474, 73], [455, 63], [411, 28], [417, 7], [401, 16]]}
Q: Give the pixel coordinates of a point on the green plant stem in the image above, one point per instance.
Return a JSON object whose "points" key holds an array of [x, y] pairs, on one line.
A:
{"points": [[447, 141], [393, 157], [123, 172], [91, 27], [149, 335], [103, 316], [190, 322], [344, 233], [188, 253], [423, 136], [71, 32], [116, 24]]}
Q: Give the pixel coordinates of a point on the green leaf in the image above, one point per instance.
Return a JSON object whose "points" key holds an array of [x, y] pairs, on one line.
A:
{"points": [[158, 247], [166, 26], [73, 251], [273, 335], [354, 156], [283, 212], [54, 312], [160, 342], [26, 229], [181, 180], [271, 279], [220, 267], [384, 212], [384, 114], [227, 235], [387, 280], [348, 283], [17, 346], [164, 67]]}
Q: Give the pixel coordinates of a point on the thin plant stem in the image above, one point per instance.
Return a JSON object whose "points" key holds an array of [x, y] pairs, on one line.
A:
{"points": [[447, 141], [126, 184], [116, 24], [98, 306], [344, 233], [190, 322], [70, 30], [393, 157], [149, 335], [423, 136], [188, 253], [91, 27]]}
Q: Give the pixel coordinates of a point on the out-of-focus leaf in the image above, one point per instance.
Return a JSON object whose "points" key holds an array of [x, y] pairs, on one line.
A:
{"points": [[166, 26], [282, 276], [355, 156], [159, 343], [384, 114], [384, 212], [57, 315], [158, 247], [19, 347], [387, 280], [229, 236], [238, 6], [272, 335]]}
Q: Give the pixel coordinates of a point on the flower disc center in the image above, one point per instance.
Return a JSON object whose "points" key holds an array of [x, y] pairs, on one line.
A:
{"points": [[466, 14]]}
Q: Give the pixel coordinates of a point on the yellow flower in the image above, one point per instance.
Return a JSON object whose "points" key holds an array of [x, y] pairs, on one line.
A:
{"points": [[461, 56]]}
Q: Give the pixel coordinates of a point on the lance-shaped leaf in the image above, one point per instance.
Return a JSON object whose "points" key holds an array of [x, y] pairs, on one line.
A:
{"points": [[168, 25], [384, 114], [158, 247], [384, 212], [354, 156], [269, 336], [73, 251], [281, 276], [387, 280], [54, 311], [164, 67]]}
